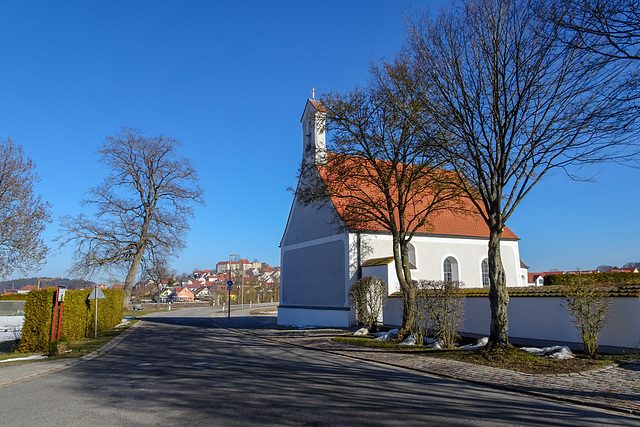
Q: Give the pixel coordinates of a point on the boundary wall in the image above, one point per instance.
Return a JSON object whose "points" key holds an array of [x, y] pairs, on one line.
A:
{"points": [[543, 321]]}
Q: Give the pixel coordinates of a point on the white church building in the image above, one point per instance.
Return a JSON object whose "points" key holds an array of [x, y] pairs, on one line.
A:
{"points": [[320, 258]]}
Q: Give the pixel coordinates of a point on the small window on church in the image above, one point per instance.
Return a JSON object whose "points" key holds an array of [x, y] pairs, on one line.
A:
{"points": [[411, 250], [485, 273], [450, 270]]}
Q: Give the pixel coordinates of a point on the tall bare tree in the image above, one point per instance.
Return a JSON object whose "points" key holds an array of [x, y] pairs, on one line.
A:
{"points": [[23, 214], [608, 27], [376, 173], [142, 207], [515, 102]]}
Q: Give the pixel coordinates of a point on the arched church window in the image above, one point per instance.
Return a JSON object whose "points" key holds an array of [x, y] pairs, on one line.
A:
{"points": [[450, 269], [411, 252], [485, 273]]}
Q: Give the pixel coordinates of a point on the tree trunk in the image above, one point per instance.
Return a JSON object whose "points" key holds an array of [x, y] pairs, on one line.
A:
{"points": [[131, 277], [403, 273], [498, 296]]}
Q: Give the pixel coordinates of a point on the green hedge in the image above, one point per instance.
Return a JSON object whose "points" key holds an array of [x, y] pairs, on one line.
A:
{"points": [[616, 290], [600, 278], [14, 297], [77, 316]]}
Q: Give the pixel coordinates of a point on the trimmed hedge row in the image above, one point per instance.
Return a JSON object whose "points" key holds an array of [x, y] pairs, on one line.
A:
{"points": [[624, 290], [13, 297], [77, 316], [600, 278]]}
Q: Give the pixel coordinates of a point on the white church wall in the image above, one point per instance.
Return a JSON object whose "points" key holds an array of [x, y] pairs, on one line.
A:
{"points": [[385, 272], [431, 251]]}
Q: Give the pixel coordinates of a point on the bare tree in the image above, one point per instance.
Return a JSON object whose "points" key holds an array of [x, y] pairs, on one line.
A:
{"points": [[443, 303], [514, 102], [610, 28], [142, 207], [376, 172], [23, 214]]}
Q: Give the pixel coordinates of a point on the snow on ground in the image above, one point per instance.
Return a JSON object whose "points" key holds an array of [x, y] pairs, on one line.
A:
{"points": [[386, 336], [555, 352], [24, 358], [478, 345]]}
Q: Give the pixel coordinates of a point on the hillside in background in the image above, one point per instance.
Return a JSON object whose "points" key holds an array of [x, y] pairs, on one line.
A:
{"points": [[45, 281]]}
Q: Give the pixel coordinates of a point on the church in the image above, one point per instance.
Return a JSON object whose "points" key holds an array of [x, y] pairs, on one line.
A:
{"points": [[321, 256]]}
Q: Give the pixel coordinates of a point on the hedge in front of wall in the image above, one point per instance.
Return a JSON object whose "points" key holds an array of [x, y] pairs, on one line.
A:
{"points": [[600, 278], [77, 316], [13, 297]]}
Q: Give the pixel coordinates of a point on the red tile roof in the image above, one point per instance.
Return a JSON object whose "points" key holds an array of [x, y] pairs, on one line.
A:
{"points": [[462, 220]]}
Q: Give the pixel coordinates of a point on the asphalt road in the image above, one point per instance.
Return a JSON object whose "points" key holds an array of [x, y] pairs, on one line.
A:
{"points": [[179, 369]]}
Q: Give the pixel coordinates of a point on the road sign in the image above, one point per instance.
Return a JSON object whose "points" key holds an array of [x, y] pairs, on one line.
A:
{"points": [[96, 293], [229, 283]]}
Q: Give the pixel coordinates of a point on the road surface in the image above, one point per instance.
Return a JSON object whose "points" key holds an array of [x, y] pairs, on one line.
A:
{"points": [[179, 369]]}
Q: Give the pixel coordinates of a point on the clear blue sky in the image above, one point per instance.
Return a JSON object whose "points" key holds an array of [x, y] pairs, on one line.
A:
{"points": [[230, 80]]}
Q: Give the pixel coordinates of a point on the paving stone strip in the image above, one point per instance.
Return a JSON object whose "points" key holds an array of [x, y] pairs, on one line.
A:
{"points": [[615, 387]]}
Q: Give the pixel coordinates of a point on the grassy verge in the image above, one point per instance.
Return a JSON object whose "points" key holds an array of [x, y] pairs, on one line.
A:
{"points": [[78, 348], [510, 358]]}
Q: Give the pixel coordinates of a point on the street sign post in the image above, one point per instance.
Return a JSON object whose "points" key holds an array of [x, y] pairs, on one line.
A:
{"points": [[57, 317], [229, 288], [95, 295]]}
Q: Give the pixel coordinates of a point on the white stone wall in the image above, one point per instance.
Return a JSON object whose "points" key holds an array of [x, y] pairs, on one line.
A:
{"points": [[544, 321]]}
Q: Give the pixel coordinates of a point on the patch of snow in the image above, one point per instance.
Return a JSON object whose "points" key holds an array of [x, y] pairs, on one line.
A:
{"points": [[556, 352], [436, 345], [24, 358], [124, 322], [477, 346], [361, 331], [408, 341], [382, 336], [304, 327]]}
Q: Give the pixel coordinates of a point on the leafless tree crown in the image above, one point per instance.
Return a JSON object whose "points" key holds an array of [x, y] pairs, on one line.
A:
{"points": [[142, 207], [23, 214]]}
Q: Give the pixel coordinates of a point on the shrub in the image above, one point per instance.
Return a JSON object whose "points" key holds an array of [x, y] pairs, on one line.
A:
{"points": [[588, 306], [58, 347], [367, 296], [443, 307]]}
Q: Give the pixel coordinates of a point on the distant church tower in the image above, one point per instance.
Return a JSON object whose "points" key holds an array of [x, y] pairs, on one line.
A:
{"points": [[314, 146]]}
